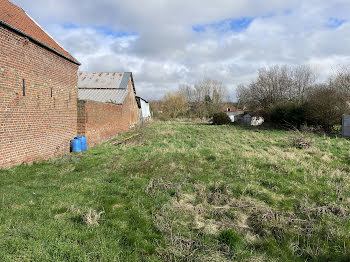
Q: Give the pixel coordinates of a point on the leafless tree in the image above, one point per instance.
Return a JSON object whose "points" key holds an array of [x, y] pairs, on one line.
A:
{"points": [[342, 80], [174, 105], [275, 85], [209, 95], [205, 98], [303, 80], [326, 105], [188, 92]]}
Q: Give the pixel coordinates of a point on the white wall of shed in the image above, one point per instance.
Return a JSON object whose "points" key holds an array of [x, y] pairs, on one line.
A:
{"points": [[145, 110], [232, 117]]}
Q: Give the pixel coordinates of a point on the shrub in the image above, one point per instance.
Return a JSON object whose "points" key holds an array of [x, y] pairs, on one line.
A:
{"points": [[163, 117], [290, 114], [299, 140], [326, 105], [221, 119]]}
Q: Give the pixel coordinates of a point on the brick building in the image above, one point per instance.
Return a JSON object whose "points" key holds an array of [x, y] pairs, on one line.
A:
{"points": [[38, 91], [106, 106]]}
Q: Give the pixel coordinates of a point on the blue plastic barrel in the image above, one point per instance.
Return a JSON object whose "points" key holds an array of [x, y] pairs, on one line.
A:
{"points": [[83, 142], [76, 145]]}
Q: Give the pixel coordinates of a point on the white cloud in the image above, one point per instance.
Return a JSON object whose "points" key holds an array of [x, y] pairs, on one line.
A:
{"points": [[167, 51]]}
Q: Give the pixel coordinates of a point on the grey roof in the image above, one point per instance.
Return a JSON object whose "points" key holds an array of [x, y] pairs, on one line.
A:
{"points": [[103, 87], [234, 113], [116, 96], [103, 80]]}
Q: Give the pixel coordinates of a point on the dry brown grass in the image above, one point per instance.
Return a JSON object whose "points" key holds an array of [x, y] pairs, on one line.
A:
{"points": [[92, 217]]}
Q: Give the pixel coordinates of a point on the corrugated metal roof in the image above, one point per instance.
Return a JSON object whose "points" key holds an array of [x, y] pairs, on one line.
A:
{"points": [[102, 80], [112, 95], [125, 80], [104, 87]]}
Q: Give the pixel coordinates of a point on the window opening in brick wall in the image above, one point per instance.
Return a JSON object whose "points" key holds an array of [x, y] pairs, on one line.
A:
{"points": [[24, 88], [51, 91]]}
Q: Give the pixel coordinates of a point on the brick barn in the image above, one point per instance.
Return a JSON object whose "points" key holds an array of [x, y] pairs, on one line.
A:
{"points": [[107, 105], [38, 91]]}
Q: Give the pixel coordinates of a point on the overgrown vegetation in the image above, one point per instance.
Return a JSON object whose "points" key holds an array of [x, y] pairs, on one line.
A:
{"points": [[200, 101], [221, 119], [182, 191], [285, 94]]}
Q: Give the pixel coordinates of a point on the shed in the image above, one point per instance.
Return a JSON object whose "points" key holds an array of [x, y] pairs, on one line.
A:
{"points": [[247, 119], [235, 115], [107, 105], [145, 112]]}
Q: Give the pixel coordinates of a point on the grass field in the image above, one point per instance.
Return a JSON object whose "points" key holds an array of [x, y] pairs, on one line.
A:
{"points": [[182, 191]]}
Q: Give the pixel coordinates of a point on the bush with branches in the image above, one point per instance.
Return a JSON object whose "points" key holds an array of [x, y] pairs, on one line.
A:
{"points": [[221, 119]]}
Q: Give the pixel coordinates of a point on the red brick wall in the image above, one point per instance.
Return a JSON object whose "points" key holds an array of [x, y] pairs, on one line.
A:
{"points": [[131, 104], [100, 122], [35, 126]]}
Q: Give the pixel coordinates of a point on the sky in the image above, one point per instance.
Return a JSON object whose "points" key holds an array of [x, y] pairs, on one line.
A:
{"points": [[166, 43]]}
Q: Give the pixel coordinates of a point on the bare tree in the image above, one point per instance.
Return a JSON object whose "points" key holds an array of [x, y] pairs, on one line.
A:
{"points": [[303, 80], [275, 85], [326, 105], [342, 80], [209, 95], [174, 104], [188, 92]]}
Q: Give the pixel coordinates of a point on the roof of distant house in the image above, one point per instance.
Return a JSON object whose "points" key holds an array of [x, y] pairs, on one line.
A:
{"points": [[235, 113], [18, 20], [104, 87]]}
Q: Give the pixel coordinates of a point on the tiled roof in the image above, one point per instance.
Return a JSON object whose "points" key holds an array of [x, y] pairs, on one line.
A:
{"points": [[16, 18], [103, 87]]}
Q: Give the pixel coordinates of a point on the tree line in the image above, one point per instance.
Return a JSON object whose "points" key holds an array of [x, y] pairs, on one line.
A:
{"points": [[199, 101], [283, 95], [290, 95]]}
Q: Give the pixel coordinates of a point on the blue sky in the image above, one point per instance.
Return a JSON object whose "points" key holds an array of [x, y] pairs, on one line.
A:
{"points": [[228, 25], [182, 42], [334, 22], [107, 31]]}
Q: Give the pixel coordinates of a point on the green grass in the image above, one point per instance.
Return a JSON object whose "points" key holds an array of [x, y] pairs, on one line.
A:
{"points": [[182, 191]]}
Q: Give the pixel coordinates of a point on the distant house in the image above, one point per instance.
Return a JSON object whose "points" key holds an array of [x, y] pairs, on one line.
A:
{"points": [[145, 112], [38, 90], [229, 107], [235, 115], [107, 105]]}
